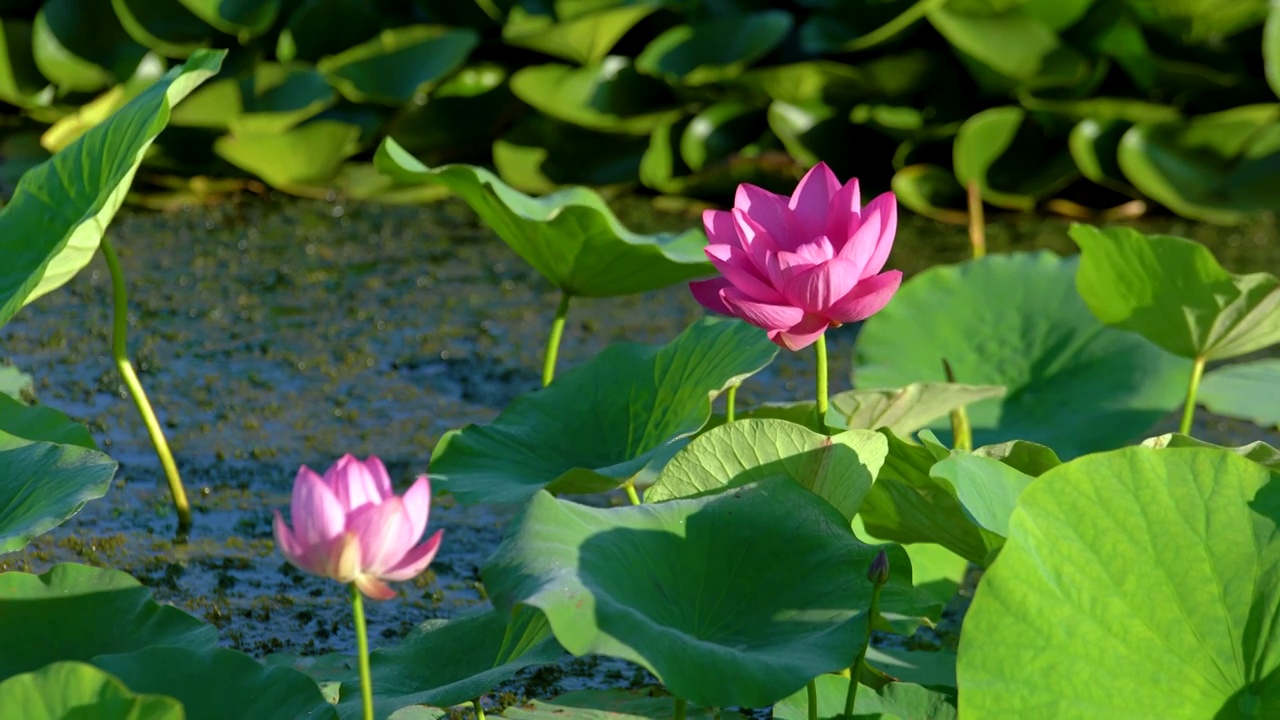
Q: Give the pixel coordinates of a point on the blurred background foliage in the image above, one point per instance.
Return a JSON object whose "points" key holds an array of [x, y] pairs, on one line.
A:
{"points": [[1073, 104]]}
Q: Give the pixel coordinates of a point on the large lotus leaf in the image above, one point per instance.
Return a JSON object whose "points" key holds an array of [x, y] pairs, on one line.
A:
{"points": [[41, 424], [1011, 158], [540, 154], [1201, 21], [583, 38], [43, 483], [763, 583], [1217, 167], [703, 53], [931, 191], [616, 415], [76, 612], [217, 683], [1257, 451], [326, 27], [1250, 391], [272, 99], [1019, 48], [1173, 292], [1271, 48], [839, 468], [719, 131], [460, 121], [242, 18], [906, 409], [931, 668], [570, 237], [15, 383], [609, 96], [888, 78], [612, 705], [69, 690], [1137, 583], [712, 153], [1094, 145], [307, 155], [21, 83], [81, 47], [853, 25], [52, 226], [447, 662], [897, 699], [400, 64], [1016, 320], [814, 132], [67, 128], [164, 26]]}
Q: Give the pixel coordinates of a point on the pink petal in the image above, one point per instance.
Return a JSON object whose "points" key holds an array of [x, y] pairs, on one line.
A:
{"points": [[785, 265], [707, 293], [867, 298], [766, 209], [317, 515], [720, 227], [754, 238], [762, 315], [844, 213], [810, 201], [416, 560], [290, 548], [802, 334], [373, 588], [741, 272], [417, 503], [357, 483], [343, 561], [385, 534], [871, 242], [819, 287]]}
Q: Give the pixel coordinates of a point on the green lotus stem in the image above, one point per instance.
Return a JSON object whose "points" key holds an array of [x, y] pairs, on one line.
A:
{"points": [[630, 487], [821, 348], [1189, 411], [120, 353], [977, 224], [730, 403], [813, 699], [961, 430], [681, 706], [362, 649], [479, 709], [553, 341], [855, 670]]}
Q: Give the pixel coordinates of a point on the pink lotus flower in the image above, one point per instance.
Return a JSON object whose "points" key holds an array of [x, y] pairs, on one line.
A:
{"points": [[797, 266], [351, 526]]}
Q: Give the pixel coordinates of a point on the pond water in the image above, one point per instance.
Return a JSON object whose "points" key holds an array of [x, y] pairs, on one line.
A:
{"points": [[274, 333]]}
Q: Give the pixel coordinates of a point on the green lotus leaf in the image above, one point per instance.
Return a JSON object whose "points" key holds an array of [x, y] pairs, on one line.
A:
{"points": [[729, 145], [76, 612], [585, 37], [164, 26], [461, 119], [812, 132], [1217, 167], [1173, 292], [21, 83], [1094, 145], [447, 662], [931, 668], [897, 699], [608, 96], [851, 25], [308, 155], [1014, 47], [931, 191], [41, 424], [1201, 21], [1135, 583], [719, 131], [1271, 48], [906, 409], [540, 154], [1249, 391], [273, 99], [242, 18], [612, 705], [570, 237], [1016, 320], [327, 27], [641, 583], [66, 690], [81, 47], [577, 435], [1011, 158], [1257, 451], [15, 383], [900, 77], [399, 64], [838, 469], [53, 224], [704, 53], [43, 483]]}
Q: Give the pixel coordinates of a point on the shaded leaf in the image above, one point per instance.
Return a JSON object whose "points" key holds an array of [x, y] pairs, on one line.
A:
{"points": [[609, 96], [907, 409], [1249, 391], [81, 47], [399, 64], [583, 38], [67, 690], [703, 53], [1010, 158], [898, 699], [41, 483]]}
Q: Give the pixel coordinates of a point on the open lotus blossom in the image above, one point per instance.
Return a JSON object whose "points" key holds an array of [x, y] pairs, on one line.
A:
{"points": [[797, 266], [351, 526]]}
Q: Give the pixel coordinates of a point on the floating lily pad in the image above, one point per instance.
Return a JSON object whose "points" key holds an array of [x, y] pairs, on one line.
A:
{"points": [[570, 237], [201, 680], [906, 409], [399, 64], [1016, 320], [76, 612], [42, 483], [53, 224], [898, 699], [447, 662], [634, 583], [1249, 391], [584, 38], [81, 47], [66, 690], [1135, 583], [838, 469], [703, 53], [1014, 159], [1216, 167], [577, 435], [609, 96], [1173, 292]]}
